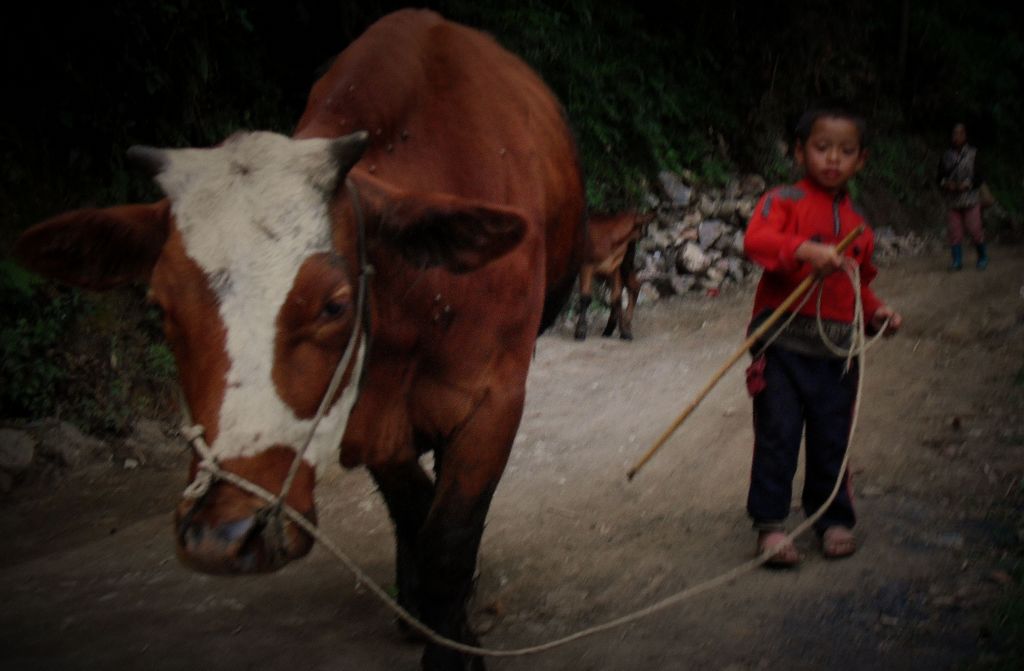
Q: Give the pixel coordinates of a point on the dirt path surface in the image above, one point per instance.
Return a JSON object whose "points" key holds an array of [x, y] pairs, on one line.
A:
{"points": [[89, 580]]}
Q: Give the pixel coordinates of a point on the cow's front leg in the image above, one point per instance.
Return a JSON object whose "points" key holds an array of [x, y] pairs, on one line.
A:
{"points": [[447, 552], [408, 493], [469, 470]]}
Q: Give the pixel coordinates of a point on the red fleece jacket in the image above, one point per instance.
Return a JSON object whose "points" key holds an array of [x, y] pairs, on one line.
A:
{"points": [[787, 216]]}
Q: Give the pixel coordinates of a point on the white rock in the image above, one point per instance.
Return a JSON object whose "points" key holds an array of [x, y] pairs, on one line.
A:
{"points": [[736, 269], [149, 430], [692, 219], [661, 239], [745, 208], [685, 234], [648, 294], [65, 442], [693, 259], [148, 443], [646, 245], [724, 241], [732, 189], [709, 231], [711, 283], [727, 208], [678, 192], [737, 243], [753, 185], [682, 283], [707, 205]]}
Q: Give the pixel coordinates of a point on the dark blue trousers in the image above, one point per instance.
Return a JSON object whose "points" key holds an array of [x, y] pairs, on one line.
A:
{"points": [[801, 393]]}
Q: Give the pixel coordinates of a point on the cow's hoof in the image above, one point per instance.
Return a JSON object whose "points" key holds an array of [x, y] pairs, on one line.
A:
{"points": [[626, 335], [581, 332]]}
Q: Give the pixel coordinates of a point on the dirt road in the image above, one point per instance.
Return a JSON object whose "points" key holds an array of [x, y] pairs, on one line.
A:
{"points": [[89, 580]]}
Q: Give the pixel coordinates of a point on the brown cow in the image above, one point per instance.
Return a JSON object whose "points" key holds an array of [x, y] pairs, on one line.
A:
{"points": [[467, 185], [611, 248]]}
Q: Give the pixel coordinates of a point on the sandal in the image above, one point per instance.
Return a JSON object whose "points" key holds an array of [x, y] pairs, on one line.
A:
{"points": [[786, 555], [838, 542]]}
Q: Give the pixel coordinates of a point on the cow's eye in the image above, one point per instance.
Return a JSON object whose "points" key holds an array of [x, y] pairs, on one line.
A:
{"points": [[334, 308]]}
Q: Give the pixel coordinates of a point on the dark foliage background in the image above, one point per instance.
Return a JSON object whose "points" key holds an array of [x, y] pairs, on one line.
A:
{"points": [[709, 85]]}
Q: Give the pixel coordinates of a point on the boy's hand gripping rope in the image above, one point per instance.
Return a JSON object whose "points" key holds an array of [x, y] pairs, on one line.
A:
{"points": [[801, 290]]}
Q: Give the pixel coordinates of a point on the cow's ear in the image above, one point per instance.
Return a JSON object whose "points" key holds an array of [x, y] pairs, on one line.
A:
{"points": [[97, 248], [457, 234]]}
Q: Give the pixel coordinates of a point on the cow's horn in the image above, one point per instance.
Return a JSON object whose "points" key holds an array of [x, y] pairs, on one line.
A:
{"points": [[149, 159], [347, 150]]}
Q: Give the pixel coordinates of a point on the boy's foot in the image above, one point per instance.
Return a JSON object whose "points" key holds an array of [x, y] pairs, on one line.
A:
{"points": [[785, 557], [838, 542]]}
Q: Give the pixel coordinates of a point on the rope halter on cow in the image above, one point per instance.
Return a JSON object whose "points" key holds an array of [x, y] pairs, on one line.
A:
{"points": [[208, 470]]}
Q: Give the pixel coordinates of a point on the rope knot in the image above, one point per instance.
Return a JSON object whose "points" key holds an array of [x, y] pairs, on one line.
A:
{"points": [[206, 469], [204, 478], [192, 432]]}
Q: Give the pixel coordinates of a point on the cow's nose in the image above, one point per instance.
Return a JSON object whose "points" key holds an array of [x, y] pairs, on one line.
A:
{"points": [[254, 544], [228, 547]]}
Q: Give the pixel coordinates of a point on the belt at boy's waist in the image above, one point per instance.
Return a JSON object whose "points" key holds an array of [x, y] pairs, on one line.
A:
{"points": [[801, 335]]}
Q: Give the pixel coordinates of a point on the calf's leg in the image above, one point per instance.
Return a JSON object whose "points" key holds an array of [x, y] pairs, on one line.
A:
{"points": [[615, 301], [632, 294], [586, 287]]}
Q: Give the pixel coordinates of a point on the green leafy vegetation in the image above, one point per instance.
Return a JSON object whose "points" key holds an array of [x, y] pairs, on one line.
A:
{"points": [[98, 361], [31, 358]]}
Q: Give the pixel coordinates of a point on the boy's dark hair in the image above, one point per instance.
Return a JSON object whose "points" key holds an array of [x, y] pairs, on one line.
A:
{"points": [[835, 110]]}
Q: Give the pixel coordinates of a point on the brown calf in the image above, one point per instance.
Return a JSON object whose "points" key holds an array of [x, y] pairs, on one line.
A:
{"points": [[611, 246]]}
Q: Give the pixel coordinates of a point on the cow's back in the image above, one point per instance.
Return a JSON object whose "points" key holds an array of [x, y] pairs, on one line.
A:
{"points": [[451, 111]]}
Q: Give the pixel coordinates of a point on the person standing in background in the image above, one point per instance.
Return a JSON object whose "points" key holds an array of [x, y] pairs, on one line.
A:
{"points": [[960, 180]]}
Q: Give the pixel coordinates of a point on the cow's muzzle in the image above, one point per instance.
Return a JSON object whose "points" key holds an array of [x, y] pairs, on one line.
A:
{"points": [[260, 542]]}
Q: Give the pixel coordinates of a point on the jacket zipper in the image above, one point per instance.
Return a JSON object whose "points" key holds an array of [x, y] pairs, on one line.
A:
{"points": [[835, 214]]}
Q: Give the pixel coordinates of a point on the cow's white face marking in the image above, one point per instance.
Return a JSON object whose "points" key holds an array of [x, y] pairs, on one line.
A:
{"points": [[250, 211]]}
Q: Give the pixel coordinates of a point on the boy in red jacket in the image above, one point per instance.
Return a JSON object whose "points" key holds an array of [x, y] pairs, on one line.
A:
{"points": [[797, 383]]}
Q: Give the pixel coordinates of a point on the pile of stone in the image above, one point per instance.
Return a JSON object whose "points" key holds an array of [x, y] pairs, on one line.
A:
{"points": [[695, 243], [50, 446]]}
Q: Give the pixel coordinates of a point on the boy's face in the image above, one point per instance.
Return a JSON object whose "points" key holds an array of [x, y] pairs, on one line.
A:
{"points": [[832, 154]]}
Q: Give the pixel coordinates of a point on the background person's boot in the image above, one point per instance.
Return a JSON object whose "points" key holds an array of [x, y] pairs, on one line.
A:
{"points": [[982, 256], [958, 258]]}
